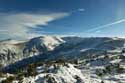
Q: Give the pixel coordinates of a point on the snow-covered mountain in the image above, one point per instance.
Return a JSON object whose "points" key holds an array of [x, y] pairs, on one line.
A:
{"points": [[10, 51], [13, 50], [42, 45], [57, 47], [86, 58], [76, 47]]}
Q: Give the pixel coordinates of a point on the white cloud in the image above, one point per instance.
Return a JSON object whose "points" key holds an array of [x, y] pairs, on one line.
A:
{"points": [[81, 9], [77, 11], [18, 25]]}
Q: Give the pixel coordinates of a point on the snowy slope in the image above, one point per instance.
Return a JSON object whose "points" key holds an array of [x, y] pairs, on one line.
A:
{"points": [[63, 74], [76, 47], [13, 50], [10, 52], [95, 54], [43, 44]]}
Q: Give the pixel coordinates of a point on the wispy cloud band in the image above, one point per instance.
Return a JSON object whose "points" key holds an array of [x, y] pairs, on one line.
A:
{"points": [[18, 25]]}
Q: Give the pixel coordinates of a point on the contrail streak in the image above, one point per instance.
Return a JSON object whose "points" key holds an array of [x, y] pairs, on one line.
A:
{"points": [[106, 25]]}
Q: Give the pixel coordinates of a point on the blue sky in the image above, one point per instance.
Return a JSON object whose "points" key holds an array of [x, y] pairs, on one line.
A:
{"points": [[29, 18]]}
